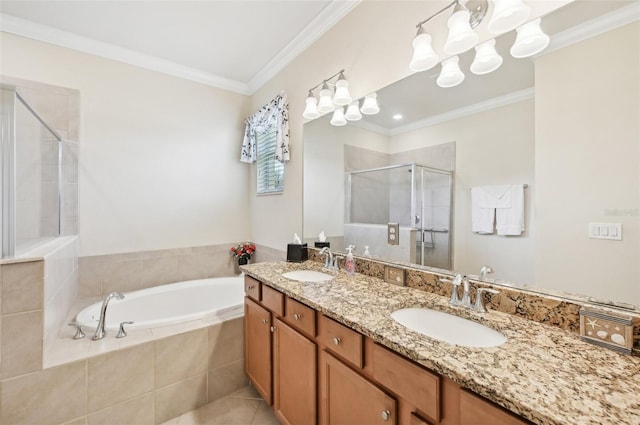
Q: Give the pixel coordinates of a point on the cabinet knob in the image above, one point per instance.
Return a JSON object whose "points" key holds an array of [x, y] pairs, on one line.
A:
{"points": [[272, 329], [250, 287], [386, 415], [265, 321], [296, 316], [337, 340]]}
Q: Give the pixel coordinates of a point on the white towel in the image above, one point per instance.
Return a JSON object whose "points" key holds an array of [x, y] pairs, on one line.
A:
{"points": [[510, 221], [493, 196], [482, 218]]}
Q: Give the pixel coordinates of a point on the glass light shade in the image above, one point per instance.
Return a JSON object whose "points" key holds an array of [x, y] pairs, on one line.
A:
{"points": [[342, 96], [338, 117], [353, 112], [311, 108], [450, 75], [507, 15], [461, 36], [423, 55], [487, 59], [370, 104], [325, 104], [530, 40]]}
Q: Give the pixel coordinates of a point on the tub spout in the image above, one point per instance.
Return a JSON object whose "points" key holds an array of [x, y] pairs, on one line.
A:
{"points": [[100, 333]]}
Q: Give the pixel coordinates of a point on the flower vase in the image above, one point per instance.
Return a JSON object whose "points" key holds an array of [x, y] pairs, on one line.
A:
{"points": [[242, 261]]}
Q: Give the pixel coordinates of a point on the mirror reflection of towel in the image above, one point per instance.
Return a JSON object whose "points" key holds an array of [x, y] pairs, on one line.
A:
{"points": [[510, 221], [502, 205]]}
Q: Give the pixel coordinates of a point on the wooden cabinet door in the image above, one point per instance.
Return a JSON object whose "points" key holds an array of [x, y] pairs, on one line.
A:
{"points": [[474, 410], [257, 356], [294, 376], [348, 399]]}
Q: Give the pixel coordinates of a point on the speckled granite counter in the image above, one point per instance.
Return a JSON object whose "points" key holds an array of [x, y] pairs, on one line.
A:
{"points": [[542, 373]]}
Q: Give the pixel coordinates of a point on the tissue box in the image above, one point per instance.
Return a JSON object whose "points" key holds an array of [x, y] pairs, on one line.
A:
{"points": [[297, 253], [322, 244]]}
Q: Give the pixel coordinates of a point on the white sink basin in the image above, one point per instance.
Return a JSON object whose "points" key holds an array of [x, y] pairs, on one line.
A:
{"points": [[307, 276], [448, 328]]}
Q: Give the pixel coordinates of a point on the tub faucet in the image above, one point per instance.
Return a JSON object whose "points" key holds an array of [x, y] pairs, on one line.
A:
{"points": [[100, 333]]}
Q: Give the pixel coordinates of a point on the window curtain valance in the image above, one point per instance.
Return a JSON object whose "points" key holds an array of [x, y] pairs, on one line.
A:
{"points": [[273, 114]]}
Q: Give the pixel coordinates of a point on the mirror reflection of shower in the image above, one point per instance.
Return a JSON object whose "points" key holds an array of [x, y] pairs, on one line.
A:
{"points": [[417, 197]]}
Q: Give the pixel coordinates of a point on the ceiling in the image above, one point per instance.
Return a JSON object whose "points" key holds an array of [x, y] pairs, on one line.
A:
{"points": [[236, 44]]}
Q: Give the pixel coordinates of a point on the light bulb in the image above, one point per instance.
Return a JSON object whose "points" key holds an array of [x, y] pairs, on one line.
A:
{"points": [[487, 59], [353, 112], [342, 96], [423, 55], [370, 104], [325, 104], [338, 117], [450, 75], [311, 108], [507, 15], [461, 36], [530, 40]]}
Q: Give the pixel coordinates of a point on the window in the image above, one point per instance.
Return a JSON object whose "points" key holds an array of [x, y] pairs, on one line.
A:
{"points": [[270, 170]]}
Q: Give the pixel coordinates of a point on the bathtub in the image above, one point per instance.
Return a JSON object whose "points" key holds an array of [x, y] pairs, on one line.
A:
{"points": [[170, 304]]}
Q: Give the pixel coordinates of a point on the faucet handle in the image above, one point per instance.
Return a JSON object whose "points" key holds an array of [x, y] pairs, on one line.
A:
{"points": [[79, 331], [122, 333], [479, 305], [456, 282]]}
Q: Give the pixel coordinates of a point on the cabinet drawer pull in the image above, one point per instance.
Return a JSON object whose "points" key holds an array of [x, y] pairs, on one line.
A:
{"points": [[265, 321], [386, 415], [337, 340], [296, 316], [250, 287]]}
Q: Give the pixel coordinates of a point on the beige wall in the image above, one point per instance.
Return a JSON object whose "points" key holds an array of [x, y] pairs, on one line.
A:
{"points": [[159, 156], [373, 45], [487, 154], [591, 126]]}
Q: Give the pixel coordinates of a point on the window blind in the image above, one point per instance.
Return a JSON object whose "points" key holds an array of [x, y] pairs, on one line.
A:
{"points": [[270, 171]]}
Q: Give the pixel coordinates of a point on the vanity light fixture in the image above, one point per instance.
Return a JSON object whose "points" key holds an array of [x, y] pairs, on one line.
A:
{"points": [[467, 14], [353, 112], [338, 117], [370, 104], [328, 99]]}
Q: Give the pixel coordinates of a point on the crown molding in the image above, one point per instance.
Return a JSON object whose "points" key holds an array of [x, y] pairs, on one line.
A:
{"points": [[496, 102], [366, 125], [607, 22], [47, 34]]}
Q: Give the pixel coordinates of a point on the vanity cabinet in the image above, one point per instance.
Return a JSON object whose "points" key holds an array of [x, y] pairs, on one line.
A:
{"points": [[313, 369]]}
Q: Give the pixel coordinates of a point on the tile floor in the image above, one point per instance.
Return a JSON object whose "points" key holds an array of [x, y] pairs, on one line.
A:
{"points": [[244, 407]]}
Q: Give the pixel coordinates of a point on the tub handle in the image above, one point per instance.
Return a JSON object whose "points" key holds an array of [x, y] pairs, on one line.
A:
{"points": [[79, 331], [122, 333]]}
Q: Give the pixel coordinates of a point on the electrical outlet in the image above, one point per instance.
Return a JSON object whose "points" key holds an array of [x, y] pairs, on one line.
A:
{"points": [[394, 275], [393, 233]]}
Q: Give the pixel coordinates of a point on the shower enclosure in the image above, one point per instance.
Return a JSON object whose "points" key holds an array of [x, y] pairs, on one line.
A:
{"points": [[31, 158], [417, 197]]}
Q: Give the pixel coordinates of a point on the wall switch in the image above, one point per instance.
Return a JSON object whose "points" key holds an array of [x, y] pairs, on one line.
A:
{"points": [[609, 231], [393, 233]]}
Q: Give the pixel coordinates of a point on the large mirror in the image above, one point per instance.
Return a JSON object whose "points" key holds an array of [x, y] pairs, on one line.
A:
{"points": [[561, 129]]}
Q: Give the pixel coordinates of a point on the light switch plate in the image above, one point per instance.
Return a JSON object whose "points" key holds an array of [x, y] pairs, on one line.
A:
{"points": [[393, 233], [609, 231]]}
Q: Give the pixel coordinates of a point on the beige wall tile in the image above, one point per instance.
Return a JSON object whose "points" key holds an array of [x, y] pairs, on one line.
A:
{"points": [[158, 271], [138, 411], [52, 396], [179, 398], [225, 342], [194, 266], [227, 379], [91, 272], [120, 376], [123, 276], [79, 421], [180, 356], [22, 286], [21, 343]]}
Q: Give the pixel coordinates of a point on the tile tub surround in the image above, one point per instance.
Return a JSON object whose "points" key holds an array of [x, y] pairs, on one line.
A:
{"points": [[550, 310], [102, 274], [543, 373], [149, 383]]}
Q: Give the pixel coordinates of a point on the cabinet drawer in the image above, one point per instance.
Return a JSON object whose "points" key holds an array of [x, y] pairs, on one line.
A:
{"points": [[410, 382], [475, 410], [252, 288], [273, 300], [341, 340], [300, 317]]}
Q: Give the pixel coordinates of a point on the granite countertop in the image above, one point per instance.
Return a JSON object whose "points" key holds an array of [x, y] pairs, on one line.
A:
{"points": [[542, 373]]}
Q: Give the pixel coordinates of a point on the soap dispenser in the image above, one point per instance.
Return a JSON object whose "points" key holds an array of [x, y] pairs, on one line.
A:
{"points": [[366, 253], [349, 262]]}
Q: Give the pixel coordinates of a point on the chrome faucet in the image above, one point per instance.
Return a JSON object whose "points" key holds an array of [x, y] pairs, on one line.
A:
{"points": [[466, 297], [100, 333], [484, 270], [328, 257]]}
